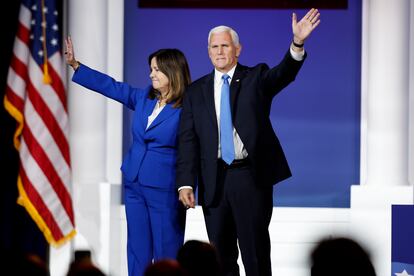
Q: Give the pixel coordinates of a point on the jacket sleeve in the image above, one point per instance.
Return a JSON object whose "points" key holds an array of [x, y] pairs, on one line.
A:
{"points": [[107, 86], [278, 77], [188, 148]]}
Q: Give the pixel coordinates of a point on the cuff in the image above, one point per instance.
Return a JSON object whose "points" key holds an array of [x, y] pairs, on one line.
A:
{"points": [[298, 56], [185, 187]]}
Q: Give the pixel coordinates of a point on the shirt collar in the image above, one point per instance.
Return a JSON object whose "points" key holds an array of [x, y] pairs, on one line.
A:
{"points": [[218, 74]]}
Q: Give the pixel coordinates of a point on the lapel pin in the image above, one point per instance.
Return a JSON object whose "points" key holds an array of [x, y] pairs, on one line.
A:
{"points": [[237, 80]]}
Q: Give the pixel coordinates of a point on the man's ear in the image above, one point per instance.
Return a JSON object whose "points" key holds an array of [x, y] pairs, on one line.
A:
{"points": [[238, 50]]}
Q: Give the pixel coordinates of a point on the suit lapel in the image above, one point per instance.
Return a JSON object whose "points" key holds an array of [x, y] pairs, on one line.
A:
{"points": [[148, 108], [165, 113], [235, 88], [208, 93]]}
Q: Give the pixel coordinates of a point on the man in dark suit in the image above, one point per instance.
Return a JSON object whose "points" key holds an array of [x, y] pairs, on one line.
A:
{"points": [[227, 146]]}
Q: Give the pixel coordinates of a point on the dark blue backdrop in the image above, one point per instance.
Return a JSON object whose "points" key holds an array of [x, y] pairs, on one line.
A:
{"points": [[317, 118]]}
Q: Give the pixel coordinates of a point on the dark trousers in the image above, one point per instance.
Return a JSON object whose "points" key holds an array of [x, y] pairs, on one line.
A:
{"points": [[242, 213]]}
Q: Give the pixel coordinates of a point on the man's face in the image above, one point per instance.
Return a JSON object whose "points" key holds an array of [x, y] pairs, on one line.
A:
{"points": [[222, 51]]}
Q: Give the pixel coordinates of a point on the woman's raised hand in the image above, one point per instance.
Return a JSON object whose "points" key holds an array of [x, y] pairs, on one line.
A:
{"points": [[69, 54]]}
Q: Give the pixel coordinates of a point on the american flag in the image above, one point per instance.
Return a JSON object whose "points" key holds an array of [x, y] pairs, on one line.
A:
{"points": [[35, 96]]}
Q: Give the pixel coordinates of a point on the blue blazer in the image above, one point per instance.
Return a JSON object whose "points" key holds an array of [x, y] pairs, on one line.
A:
{"points": [[152, 157]]}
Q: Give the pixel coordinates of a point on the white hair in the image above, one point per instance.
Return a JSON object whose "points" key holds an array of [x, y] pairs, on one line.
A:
{"points": [[222, 29]]}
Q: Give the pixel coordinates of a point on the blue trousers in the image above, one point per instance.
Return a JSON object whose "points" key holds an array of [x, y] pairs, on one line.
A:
{"points": [[155, 222]]}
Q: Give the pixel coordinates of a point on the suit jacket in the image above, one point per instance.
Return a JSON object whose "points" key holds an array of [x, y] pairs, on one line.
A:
{"points": [[251, 92], [152, 156]]}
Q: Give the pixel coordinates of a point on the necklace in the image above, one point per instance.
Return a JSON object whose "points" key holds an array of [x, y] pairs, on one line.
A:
{"points": [[161, 102], [162, 99]]}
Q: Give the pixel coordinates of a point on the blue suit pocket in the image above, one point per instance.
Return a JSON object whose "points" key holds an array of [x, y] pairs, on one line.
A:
{"points": [[158, 170]]}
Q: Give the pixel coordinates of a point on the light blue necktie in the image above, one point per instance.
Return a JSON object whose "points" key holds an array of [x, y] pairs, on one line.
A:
{"points": [[226, 126]]}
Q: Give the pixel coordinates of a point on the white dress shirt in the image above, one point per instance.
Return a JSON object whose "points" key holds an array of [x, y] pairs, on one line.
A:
{"points": [[157, 110]]}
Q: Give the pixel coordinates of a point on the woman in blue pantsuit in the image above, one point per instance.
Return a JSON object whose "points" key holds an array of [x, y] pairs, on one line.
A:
{"points": [[155, 219]]}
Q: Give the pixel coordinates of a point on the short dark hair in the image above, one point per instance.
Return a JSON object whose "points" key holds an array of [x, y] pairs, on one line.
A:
{"points": [[199, 258], [173, 64], [165, 267], [341, 255]]}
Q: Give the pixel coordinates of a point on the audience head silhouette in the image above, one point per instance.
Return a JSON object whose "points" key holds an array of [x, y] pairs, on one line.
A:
{"points": [[340, 257], [19, 263], [82, 265], [199, 258], [165, 267]]}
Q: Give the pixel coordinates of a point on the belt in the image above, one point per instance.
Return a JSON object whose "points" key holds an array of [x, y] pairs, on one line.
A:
{"points": [[237, 163]]}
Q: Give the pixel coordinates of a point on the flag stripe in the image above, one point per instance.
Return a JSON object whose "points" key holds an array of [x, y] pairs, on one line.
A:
{"points": [[23, 33], [17, 77], [56, 62], [48, 94], [21, 51], [41, 207], [15, 100], [41, 134], [42, 185], [58, 86], [25, 16], [49, 120], [16, 83], [48, 169]]}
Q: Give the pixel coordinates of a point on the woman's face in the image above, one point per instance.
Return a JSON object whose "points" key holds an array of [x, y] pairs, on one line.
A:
{"points": [[158, 78]]}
